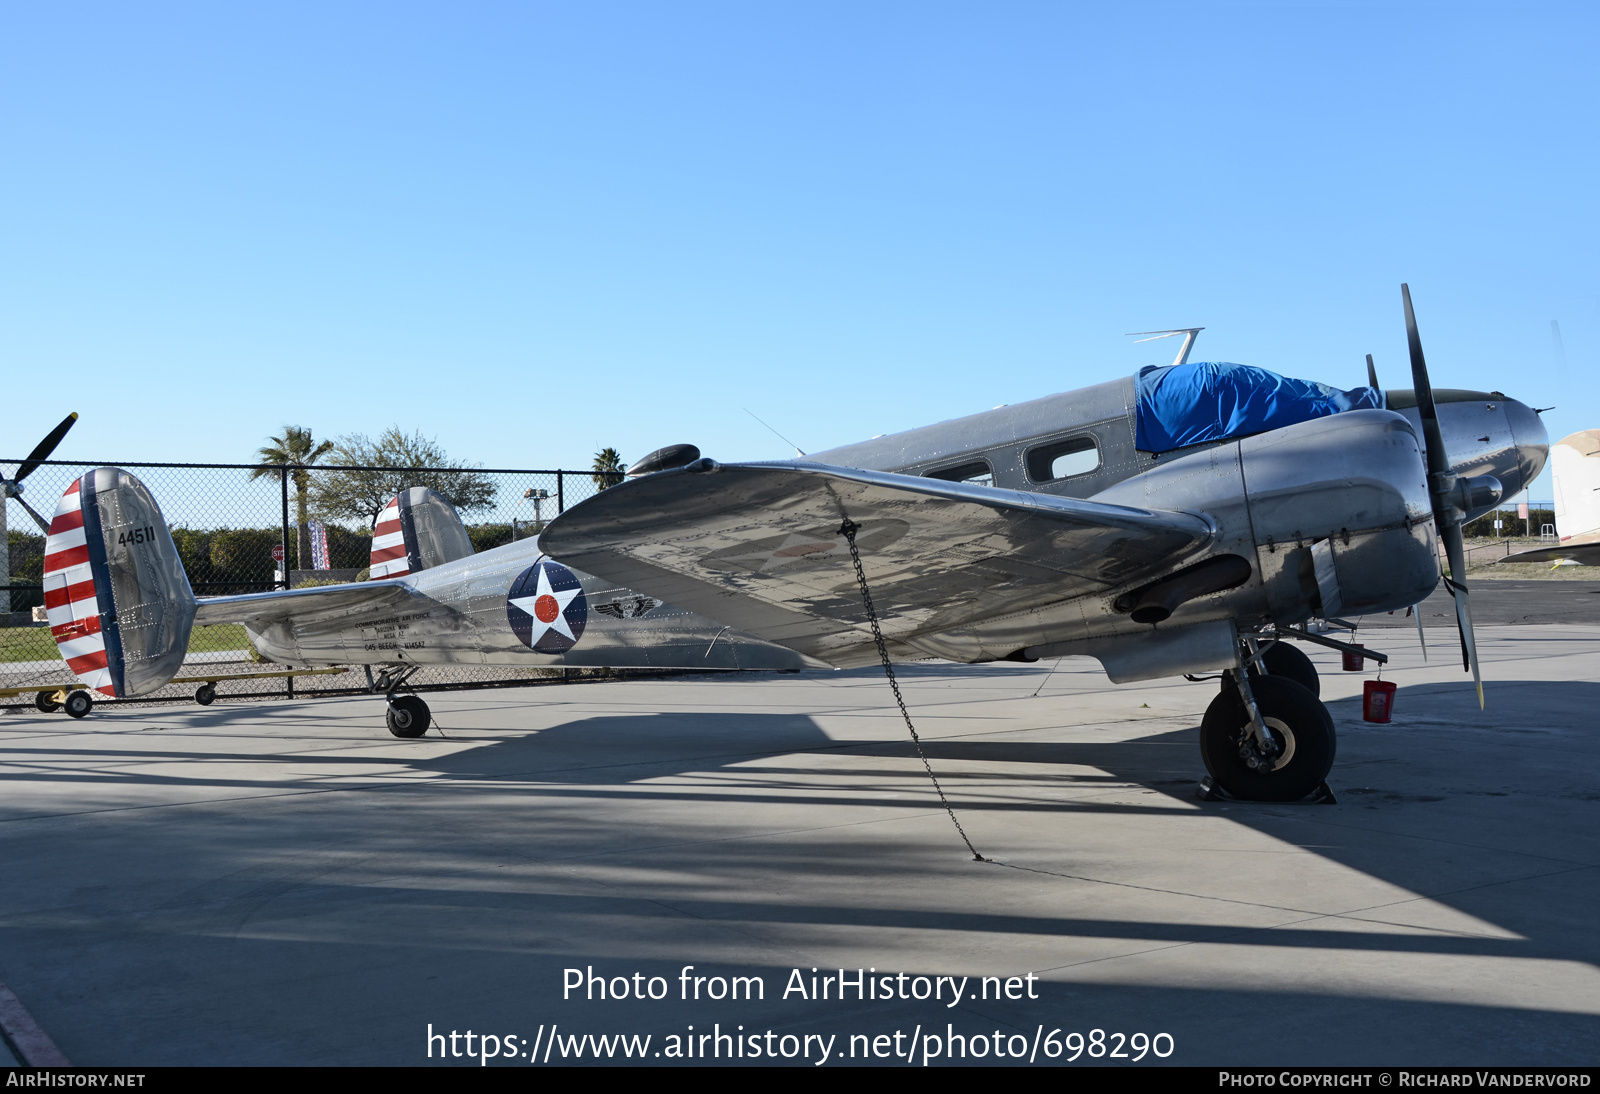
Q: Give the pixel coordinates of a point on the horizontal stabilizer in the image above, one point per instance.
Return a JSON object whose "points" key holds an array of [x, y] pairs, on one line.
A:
{"points": [[760, 547], [316, 604]]}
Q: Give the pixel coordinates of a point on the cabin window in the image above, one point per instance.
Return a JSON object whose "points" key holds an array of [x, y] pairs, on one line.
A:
{"points": [[977, 472], [1063, 459]]}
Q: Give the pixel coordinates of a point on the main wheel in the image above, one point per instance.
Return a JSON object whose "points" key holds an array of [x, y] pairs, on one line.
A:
{"points": [[1300, 727], [46, 702], [205, 694], [78, 704], [408, 716], [1282, 659]]}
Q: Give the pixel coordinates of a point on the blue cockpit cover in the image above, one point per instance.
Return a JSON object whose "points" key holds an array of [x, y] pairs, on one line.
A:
{"points": [[1214, 400]]}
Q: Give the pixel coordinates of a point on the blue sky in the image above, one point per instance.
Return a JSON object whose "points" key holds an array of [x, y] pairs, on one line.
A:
{"points": [[533, 230]]}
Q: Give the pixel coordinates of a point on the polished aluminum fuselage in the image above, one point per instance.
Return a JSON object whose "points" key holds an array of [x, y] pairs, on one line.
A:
{"points": [[1484, 432]]}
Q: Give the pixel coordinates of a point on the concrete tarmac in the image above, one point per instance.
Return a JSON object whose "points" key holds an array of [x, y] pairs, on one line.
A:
{"points": [[286, 883], [1508, 601]]}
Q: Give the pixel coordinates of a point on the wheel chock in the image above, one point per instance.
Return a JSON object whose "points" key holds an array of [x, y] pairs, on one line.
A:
{"points": [[1209, 791]]}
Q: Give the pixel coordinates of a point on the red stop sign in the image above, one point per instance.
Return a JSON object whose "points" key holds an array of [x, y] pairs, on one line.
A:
{"points": [[277, 552]]}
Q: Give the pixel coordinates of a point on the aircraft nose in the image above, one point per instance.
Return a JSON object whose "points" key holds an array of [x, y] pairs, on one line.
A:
{"points": [[1532, 441]]}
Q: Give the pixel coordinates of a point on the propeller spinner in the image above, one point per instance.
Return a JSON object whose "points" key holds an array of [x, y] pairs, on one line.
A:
{"points": [[40, 453], [1452, 496]]}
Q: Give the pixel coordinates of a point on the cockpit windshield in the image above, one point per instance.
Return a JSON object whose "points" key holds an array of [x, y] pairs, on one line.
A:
{"points": [[1214, 400]]}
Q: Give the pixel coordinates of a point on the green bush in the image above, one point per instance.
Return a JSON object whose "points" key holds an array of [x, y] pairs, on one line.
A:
{"points": [[347, 549], [1512, 525], [486, 537], [243, 554]]}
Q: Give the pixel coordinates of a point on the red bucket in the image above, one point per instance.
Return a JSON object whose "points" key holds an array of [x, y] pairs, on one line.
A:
{"points": [[1353, 661], [1377, 700]]}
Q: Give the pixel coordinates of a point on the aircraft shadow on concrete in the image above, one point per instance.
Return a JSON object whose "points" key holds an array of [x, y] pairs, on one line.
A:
{"points": [[1385, 772], [752, 757], [560, 778]]}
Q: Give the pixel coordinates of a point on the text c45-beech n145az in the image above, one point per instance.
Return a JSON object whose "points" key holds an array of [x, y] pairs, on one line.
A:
{"points": [[1186, 520]]}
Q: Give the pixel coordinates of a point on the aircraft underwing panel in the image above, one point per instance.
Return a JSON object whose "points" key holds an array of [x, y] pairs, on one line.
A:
{"points": [[760, 547]]}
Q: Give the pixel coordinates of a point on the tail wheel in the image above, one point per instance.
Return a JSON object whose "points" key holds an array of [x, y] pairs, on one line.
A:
{"points": [[205, 694], [408, 716], [79, 704], [46, 702], [1301, 729]]}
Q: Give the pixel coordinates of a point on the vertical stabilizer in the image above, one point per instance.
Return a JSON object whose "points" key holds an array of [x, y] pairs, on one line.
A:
{"points": [[416, 531], [119, 603]]}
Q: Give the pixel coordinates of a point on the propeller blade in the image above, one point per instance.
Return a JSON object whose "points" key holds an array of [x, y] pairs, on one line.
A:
{"points": [[32, 512], [42, 450], [1469, 646], [1444, 511], [1432, 437], [1372, 373], [1422, 639]]}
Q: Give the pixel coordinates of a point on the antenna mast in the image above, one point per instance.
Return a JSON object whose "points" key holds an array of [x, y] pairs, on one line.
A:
{"points": [[1156, 335]]}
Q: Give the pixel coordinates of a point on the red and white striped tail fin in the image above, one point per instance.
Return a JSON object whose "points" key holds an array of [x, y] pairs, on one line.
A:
{"points": [[69, 594], [119, 603], [389, 555], [417, 530]]}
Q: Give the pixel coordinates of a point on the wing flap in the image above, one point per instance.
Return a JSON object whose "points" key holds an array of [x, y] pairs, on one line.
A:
{"points": [[760, 547]]}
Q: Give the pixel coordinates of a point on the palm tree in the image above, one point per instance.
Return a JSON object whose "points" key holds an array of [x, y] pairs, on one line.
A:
{"points": [[608, 468], [296, 449], [394, 461]]}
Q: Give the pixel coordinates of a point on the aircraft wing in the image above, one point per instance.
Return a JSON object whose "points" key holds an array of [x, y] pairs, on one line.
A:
{"points": [[760, 547], [318, 603], [1585, 554]]}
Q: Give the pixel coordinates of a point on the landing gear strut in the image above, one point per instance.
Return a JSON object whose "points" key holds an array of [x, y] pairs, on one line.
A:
{"points": [[1267, 738], [408, 715], [1282, 659]]}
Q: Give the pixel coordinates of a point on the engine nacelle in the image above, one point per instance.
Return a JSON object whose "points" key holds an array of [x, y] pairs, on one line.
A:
{"points": [[1334, 513]]}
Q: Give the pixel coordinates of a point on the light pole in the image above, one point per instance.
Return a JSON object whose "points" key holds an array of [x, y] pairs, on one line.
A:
{"points": [[537, 497]]}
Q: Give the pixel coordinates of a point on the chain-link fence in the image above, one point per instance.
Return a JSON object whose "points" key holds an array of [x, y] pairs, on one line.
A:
{"points": [[233, 523]]}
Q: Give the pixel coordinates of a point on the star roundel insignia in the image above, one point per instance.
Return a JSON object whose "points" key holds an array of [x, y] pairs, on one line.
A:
{"points": [[546, 607]]}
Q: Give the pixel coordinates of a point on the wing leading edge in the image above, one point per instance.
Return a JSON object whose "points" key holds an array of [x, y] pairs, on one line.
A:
{"points": [[759, 547]]}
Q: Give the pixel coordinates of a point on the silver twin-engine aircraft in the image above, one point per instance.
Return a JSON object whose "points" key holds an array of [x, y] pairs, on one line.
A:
{"points": [[1183, 521]]}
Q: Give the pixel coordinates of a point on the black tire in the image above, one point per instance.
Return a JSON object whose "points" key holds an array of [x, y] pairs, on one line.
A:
{"points": [[1299, 723], [1290, 662], [408, 716], [79, 704], [46, 702], [205, 694]]}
